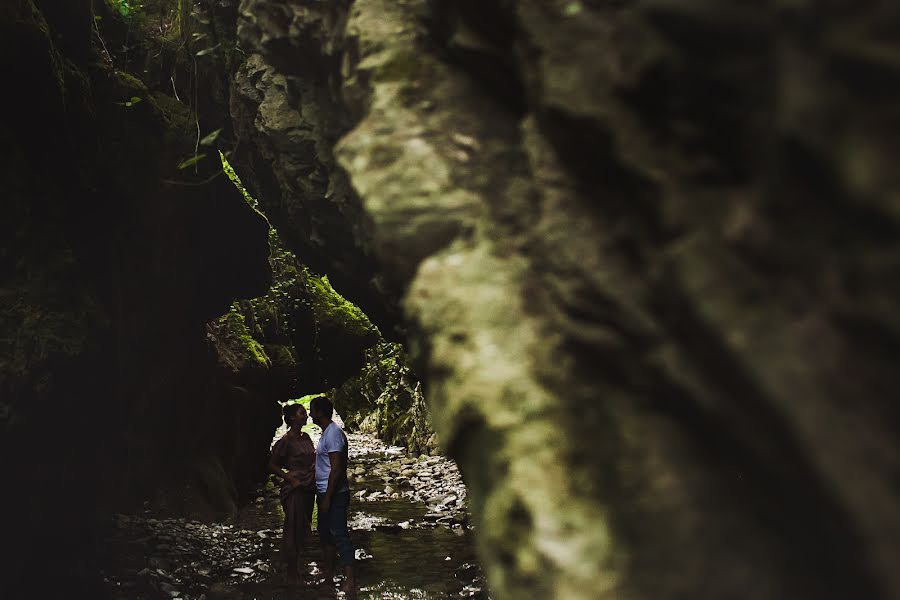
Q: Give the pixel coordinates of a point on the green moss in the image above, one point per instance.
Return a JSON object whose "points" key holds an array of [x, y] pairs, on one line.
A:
{"points": [[281, 356], [131, 83], [382, 398], [229, 170], [330, 306], [234, 326], [286, 323], [176, 116], [258, 352], [327, 304]]}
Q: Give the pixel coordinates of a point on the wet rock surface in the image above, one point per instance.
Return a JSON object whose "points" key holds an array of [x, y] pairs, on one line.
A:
{"points": [[434, 481], [407, 519]]}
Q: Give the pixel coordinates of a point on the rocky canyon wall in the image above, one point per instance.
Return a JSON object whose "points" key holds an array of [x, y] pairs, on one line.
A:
{"points": [[113, 260], [150, 316], [648, 252]]}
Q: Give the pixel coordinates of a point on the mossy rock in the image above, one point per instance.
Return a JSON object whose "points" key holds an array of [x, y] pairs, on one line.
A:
{"points": [[333, 308], [240, 346]]}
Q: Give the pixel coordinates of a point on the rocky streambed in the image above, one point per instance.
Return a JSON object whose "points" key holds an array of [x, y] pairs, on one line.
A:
{"points": [[408, 521], [433, 480]]}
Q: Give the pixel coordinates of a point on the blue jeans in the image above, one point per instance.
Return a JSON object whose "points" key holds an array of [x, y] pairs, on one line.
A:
{"points": [[333, 526]]}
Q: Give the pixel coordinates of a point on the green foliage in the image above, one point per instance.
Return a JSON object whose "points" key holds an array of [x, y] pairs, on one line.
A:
{"points": [[130, 102], [304, 400], [206, 51], [131, 10], [191, 161], [210, 139], [381, 398], [389, 365], [126, 8]]}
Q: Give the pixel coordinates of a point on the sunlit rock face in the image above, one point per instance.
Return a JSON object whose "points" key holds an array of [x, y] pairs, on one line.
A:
{"points": [[287, 115], [650, 252], [284, 103]]}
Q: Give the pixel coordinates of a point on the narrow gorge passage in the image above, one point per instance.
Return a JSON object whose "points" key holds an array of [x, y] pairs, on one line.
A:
{"points": [[633, 265], [408, 517]]}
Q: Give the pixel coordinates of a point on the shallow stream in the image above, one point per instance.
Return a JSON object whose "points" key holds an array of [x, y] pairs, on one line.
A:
{"points": [[409, 530]]}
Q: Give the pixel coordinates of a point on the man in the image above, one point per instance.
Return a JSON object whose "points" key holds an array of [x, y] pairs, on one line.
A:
{"points": [[332, 491]]}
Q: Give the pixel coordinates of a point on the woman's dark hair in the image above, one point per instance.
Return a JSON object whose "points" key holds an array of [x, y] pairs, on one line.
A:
{"points": [[289, 412]]}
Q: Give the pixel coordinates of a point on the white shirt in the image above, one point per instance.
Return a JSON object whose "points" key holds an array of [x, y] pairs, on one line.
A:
{"points": [[332, 440]]}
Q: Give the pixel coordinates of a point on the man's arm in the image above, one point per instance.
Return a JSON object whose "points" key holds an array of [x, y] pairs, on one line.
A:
{"points": [[338, 472]]}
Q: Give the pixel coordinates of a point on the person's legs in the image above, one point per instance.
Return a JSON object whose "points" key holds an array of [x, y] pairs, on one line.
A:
{"points": [[337, 524], [309, 501], [328, 548], [306, 503], [289, 544], [298, 508]]}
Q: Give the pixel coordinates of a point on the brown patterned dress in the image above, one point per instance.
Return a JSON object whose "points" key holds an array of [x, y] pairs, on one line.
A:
{"points": [[298, 455]]}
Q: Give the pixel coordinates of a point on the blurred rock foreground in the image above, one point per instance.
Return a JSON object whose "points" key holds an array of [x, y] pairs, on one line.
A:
{"points": [[649, 253], [644, 254]]}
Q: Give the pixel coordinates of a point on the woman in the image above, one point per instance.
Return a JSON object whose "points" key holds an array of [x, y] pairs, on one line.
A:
{"points": [[295, 452]]}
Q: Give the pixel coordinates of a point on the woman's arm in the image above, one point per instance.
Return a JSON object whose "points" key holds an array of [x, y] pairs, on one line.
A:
{"points": [[276, 470]]}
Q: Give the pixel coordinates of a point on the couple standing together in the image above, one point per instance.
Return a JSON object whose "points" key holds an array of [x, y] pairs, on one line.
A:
{"points": [[318, 473]]}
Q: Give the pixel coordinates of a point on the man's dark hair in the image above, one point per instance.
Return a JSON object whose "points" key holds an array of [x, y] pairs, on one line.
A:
{"points": [[321, 404]]}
